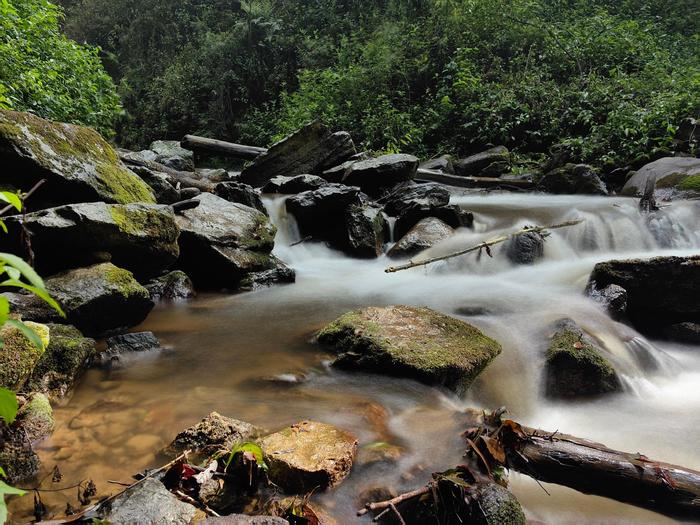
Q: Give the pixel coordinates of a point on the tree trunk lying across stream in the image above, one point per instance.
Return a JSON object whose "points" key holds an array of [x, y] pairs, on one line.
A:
{"points": [[471, 182], [586, 466], [220, 147]]}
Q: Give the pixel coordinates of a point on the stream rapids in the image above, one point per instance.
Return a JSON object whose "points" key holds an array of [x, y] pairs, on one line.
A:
{"points": [[250, 356]]}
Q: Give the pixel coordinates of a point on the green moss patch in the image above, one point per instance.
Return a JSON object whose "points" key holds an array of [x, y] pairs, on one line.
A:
{"points": [[19, 355]]}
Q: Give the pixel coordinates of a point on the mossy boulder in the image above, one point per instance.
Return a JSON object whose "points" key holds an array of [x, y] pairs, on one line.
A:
{"points": [[576, 366], [673, 177], [139, 237], [572, 179], [212, 433], [77, 163], [100, 298], [19, 355], [475, 164], [36, 417], [221, 242], [660, 291], [65, 359], [498, 506], [407, 341], [17, 458], [172, 286], [308, 456]]}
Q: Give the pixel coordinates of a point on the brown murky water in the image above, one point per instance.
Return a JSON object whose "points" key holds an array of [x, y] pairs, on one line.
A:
{"points": [[236, 354]]}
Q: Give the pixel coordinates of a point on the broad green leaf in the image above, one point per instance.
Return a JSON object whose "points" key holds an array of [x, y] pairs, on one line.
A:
{"points": [[248, 447], [2, 473], [11, 198], [8, 407], [4, 310], [28, 332], [27, 271], [6, 489], [2, 226]]}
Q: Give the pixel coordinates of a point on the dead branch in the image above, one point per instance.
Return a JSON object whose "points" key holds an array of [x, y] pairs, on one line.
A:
{"points": [[483, 245], [382, 505], [220, 147], [23, 197]]}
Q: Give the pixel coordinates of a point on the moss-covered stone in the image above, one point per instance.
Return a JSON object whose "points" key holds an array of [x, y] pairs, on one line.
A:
{"points": [[36, 417], [65, 358], [672, 176], [497, 506], [19, 355], [212, 433], [575, 365], [411, 342], [76, 161], [308, 456], [100, 298], [17, 458], [690, 183]]}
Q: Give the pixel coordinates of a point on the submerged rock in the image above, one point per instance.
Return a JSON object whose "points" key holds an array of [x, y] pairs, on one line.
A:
{"points": [[410, 342], [77, 163], [19, 355], [575, 365], [171, 287], [139, 237], [672, 177], [147, 502], [572, 179], [100, 298], [66, 357], [213, 432], [381, 172], [425, 234], [474, 164], [240, 193], [312, 149], [526, 248], [308, 456], [660, 291], [367, 231], [221, 242], [133, 342]]}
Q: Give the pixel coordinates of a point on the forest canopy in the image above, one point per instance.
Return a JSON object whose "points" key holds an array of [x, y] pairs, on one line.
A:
{"points": [[607, 80]]}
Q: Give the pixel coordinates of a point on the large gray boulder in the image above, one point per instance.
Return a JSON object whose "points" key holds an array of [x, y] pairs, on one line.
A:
{"points": [[672, 176], [308, 456], [576, 366], [100, 298], [221, 242], [139, 237], [367, 231], [147, 502], [240, 193], [312, 149], [572, 179], [426, 233], [289, 185], [171, 154], [410, 342], [443, 163], [381, 172], [475, 164], [77, 163], [660, 292], [452, 215], [410, 194]]}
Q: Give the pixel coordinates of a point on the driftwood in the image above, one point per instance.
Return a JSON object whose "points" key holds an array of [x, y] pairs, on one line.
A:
{"points": [[220, 147], [484, 245], [471, 182], [186, 179], [585, 465], [180, 206]]}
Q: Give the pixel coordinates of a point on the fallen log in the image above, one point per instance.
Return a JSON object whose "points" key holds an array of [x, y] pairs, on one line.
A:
{"points": [[220, 147], [585, 466], [471, 182], [186, 179], [486, 245]]}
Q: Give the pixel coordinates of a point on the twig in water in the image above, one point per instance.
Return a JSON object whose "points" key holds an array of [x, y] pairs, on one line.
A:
{"points": [[307, 238], [382, 505], [480, 246]]}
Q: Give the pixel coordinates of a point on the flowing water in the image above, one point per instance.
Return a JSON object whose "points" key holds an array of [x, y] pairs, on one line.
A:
{"points": [[249, 356]]}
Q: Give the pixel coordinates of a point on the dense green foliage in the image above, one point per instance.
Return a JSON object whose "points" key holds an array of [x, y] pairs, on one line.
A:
{"points": [[46, 73], [609, 80]]}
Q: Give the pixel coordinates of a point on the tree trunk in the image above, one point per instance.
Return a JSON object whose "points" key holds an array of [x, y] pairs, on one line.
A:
{"points": [[589, 467], [220, 147], [471, 182]]}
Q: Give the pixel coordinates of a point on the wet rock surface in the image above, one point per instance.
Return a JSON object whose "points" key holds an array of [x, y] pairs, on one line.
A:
{"points": [[78, 164], [444, 163], [139, 237], [672, 177], [576, 365], [241, 193], [405, 196], [426, 233], [213, 432], [367, 231], [312, 149], [452, 215], [526, 248], [612, 297], [684, 333], [172, 286], [405, 341], [290, 185], [572, 179], [221, 242], [309, 456], [242, 519], [381, 172]]}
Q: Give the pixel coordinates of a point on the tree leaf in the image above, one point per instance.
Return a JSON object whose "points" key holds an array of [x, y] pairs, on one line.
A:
{"points": [[11, 198], [39, 292], [8, 408], [27, 271]]}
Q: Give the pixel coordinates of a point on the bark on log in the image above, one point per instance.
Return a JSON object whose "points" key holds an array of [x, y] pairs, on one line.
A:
{"points": [[186, 179], [471, 182], [220, 147], [590, 467]]}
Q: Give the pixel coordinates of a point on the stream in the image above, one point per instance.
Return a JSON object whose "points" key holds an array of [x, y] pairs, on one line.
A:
{"points": [[250, 356]]}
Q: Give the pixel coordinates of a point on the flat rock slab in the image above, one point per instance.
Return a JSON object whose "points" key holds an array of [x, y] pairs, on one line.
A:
{"points": [[406, 341], [308, 456], [77, 163]]}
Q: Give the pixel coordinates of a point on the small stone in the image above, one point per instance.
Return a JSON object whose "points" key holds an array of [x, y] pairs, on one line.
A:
{"points": [[172, 286], [240, 193], [214, 431], [526, 248], [309, 456]]}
